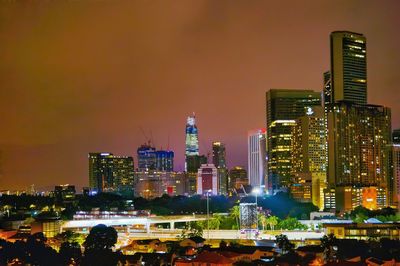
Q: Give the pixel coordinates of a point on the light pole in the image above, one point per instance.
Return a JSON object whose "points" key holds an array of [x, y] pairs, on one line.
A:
{"points": [[208, 215]]}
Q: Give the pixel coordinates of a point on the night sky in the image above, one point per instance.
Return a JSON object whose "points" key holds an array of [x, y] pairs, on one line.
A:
{"points": [[87, 76]]}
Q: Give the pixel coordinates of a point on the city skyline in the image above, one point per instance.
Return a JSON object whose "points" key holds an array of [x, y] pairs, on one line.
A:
{"points": [[65, 98]]}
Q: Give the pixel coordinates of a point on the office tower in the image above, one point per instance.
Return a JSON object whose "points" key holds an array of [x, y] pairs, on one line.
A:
{"points": [[283, 107], [309, 158], [396, 136], [108, 172], [152, 184], [165, 161], [207, 180], [147, 157], [193, 162], [218, 158], [359, 138], [256, 146], [396, 176], [237, 178], [348, 67]]}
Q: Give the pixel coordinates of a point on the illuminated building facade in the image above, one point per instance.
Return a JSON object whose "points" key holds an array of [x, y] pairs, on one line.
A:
{"points": [[64, 193], [237, 178], [396, 176], [152, 184], [396, 136], [348, 67], [192, 139], [147, 157], [108, 172], [283, 108], [218, 158], [309, 158], [207, 180], [359, 138], [256, 145], [165, 161]]}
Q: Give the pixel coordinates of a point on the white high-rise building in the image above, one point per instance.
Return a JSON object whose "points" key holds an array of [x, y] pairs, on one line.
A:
{"points": [[256, 152]]}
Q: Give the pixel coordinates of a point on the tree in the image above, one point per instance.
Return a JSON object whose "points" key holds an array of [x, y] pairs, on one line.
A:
{"points": [[98, 246], [263, 220], [284, 244], [272, 221], [291, 223], [329, 243], [235, 214], [70, 252]]}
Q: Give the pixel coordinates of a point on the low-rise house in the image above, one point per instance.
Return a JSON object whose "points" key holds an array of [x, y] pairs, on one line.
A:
{"points": [[145, 245], [206, 258]]}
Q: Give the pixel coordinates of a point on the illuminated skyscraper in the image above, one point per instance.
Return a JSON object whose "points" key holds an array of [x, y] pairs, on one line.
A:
{"points": [[359, 138], [219, 161], [283, 108], [348, 67], [309, 158], [396, 176], [192, 139], [396, 136], [256, 146], [108, 172]]}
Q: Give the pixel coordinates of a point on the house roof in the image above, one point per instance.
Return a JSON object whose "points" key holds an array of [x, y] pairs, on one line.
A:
{"points": [[212, 257], [197, 239]]}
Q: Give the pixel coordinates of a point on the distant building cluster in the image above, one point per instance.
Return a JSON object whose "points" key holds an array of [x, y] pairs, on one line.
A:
{"points": [[331, 148]]}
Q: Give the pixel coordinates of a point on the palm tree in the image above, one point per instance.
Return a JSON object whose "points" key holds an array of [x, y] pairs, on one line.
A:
{"points": [[328, 242], [272, 221], [235, 214], [263, 220], [284, 244]]}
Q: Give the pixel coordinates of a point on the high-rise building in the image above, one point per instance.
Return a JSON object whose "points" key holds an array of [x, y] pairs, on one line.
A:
{"points": [[108, 172], [147, 157], [219, 161], [309, 158], [359, 138], [283, 108], [348, 67], [256, 159], [396, 136], [165, 161], [218, 155], [237, 177], [193, 162], [396, 176], [207, 180]]}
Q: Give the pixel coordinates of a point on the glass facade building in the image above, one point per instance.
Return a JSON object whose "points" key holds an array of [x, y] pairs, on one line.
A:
{"points": [[283, 107]]}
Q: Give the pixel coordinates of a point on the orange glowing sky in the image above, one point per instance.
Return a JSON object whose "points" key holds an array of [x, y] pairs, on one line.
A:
{"points": [[86, 76]]}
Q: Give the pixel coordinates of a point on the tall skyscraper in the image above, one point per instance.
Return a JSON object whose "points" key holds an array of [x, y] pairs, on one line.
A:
{"points": [[309, 158], [147, 157], [108, 172], [283, 107], [192, 139], [207, 180], [256, 146], [359, 141], [218, 155], [348, 67], [218, 158]]}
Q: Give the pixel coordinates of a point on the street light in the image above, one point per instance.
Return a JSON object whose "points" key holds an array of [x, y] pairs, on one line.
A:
{"points": [[208, 214], [256, 192]]}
